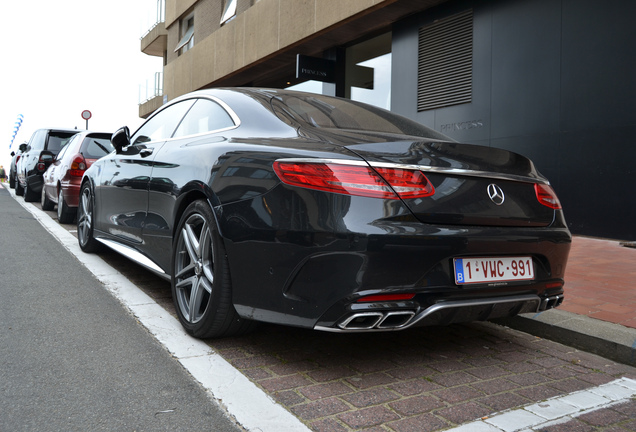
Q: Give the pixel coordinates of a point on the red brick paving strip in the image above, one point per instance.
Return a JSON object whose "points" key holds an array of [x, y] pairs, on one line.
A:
{"points": [[600, 279]]}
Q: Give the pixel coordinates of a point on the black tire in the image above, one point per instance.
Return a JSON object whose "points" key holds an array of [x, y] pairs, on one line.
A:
{"points": [[29, 195], [201, 283], [65, 214], [19, 190], [12, 181], [85, 220], [47, 204]]}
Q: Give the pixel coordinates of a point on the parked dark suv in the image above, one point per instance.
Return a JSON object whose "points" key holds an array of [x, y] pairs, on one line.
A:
{"points": [[40, 152]]}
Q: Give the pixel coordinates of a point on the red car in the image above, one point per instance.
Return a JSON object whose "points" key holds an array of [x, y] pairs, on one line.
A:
{"points": [[63, 177]]}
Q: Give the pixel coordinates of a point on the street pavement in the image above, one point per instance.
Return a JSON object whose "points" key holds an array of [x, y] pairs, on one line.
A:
{"points": [[474, 377], [71, 358]]}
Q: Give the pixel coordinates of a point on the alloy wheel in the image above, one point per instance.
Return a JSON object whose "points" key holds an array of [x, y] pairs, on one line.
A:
{"points": [[194, 268]]}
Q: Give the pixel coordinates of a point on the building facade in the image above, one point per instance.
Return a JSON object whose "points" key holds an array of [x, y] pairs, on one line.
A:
{"points": [[550, 79]]}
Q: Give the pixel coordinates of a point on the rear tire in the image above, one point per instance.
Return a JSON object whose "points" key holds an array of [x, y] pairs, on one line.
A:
{"points": [[65, 214], [29, 195], [12, 181], [201, 284], [85, 220], [19, 190]]}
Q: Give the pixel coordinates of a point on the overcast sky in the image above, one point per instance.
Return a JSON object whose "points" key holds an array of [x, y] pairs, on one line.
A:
{"points": [[65, 56]]}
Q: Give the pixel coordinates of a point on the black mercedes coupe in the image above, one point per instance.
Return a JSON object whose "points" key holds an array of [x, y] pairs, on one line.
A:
{"points": [[325, 213]]}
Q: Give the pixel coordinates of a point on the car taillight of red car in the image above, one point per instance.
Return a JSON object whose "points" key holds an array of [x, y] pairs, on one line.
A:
{"points": [[78, 166]]}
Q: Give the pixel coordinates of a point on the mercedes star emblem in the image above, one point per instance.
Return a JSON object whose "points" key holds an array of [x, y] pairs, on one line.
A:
{"points": [[496, 194]]}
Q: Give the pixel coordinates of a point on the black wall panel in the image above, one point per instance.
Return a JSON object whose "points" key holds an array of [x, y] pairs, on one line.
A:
{"points": [[554, 80]]}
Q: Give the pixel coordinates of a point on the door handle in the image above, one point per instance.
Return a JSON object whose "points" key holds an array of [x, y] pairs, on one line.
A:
{"points": [[145, 152]]}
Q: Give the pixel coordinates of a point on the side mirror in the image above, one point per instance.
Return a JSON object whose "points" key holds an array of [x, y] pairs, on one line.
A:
{"points": [[120, 139], [23, 147]]}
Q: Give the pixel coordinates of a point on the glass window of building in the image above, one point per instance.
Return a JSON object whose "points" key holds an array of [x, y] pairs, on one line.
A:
{"points": [[229, 12], [186, 42]]}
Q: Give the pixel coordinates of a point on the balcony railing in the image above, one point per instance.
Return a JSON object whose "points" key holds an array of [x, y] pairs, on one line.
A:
{"points": [[159, 19], [151, 89]]}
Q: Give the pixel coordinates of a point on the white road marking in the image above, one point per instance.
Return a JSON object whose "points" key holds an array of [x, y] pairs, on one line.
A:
{"points": [[251, 407], [556, 410]]}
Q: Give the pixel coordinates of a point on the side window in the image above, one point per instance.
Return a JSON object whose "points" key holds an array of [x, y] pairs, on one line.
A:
{"points": [[205, 116], [162, 125], [62, 152], [37, 142], [57, 140]]}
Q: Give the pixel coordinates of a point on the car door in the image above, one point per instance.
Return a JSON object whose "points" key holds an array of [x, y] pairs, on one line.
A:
{"points": [[122, 192], [52, 174], [185, 159]]}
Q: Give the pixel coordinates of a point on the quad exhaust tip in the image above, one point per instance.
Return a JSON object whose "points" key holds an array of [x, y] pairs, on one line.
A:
{"points": [[551, 302], [377, 320], [400, 319]]}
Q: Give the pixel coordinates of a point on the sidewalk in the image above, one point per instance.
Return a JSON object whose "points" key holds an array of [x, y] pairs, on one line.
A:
{"points": [[599, 311]]}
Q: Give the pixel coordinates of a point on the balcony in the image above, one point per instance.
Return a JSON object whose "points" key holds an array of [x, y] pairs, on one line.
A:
{"points": [[154, 41], [151, 95]]}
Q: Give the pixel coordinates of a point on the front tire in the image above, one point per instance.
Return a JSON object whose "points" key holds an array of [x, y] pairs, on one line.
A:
{"points": [[86, 220], [47, 204], [201, 285]]}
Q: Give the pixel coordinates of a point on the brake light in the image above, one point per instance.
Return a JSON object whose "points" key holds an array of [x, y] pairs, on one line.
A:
{"points": [[547, 196], [41, 165], [387, 183], [78, 166], [385, 297]]}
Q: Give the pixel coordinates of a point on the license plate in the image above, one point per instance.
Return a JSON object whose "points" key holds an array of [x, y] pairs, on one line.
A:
{"points": [[488, 269]]}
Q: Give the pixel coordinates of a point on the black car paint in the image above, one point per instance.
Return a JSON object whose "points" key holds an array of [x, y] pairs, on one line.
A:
{"points": [[44, 144], [302, 257]]}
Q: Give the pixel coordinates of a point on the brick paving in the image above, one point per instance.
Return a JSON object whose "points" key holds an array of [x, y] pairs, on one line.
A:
{"points": [[600, 281], [425, 379]]}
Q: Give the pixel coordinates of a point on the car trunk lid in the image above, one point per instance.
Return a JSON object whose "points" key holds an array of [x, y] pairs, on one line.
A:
{"points": [[474, 185]]}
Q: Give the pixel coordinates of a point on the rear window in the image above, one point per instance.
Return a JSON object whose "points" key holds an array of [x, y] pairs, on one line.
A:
{"points": [[95, 148], [57, 140], [335, 113]]}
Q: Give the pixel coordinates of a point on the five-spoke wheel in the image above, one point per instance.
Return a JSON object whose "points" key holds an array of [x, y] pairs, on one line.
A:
{"points": [[201, 285]]}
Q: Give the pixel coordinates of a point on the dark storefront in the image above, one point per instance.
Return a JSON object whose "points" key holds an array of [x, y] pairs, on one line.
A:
{"points": [[553, 80]]}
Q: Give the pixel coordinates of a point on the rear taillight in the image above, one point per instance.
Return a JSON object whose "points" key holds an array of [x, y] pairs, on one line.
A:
{"points": [[78, 166], [359, 180], [547, 196], [41, 166]]}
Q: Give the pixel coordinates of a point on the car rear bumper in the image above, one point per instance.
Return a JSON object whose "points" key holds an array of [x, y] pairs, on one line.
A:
{"points": [[318, 278], [71, 194]]}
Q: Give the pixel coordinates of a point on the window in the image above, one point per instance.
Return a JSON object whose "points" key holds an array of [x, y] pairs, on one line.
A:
{"points": [[62, 152], [445, 62], [187, 34], [229, 12], [95, 148], [205, 116], [162, 125], [57, 140]]}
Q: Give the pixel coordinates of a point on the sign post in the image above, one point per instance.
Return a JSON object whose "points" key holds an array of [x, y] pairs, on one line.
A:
{"points": [[86, 114]]}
